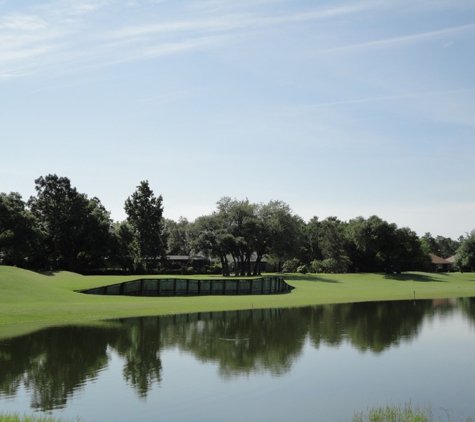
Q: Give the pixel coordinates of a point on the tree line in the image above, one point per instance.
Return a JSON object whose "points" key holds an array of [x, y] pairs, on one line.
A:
{"points": [[61, 228]]}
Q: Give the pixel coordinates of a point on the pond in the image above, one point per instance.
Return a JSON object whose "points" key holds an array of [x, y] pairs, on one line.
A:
{"points": [[319, 363]]}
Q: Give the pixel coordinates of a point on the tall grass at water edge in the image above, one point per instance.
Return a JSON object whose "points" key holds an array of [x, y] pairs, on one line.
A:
{"points": [[402, 413], [405, 413], [16, 417]]}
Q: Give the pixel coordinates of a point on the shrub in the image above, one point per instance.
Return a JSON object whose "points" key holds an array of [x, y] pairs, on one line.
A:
{"points": [[291, 265], [215, 269], [302, 269], [317, 266], [187, 270]]}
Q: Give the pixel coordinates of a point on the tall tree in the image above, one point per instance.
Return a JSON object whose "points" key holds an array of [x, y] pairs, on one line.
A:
{"points": [[410, 254], [465, 257], [178, 241], [94, 232], [124, 249], [145, 215], [240, 220], [326, 245], [209, 235], [54, 207], [441, 246], [19, 231], [245, 232], [311, 241], [381, 246], [77, 229], [282, 233]]}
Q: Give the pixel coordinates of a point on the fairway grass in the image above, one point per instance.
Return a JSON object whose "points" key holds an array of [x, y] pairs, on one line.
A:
{"points": [[29, 300]]}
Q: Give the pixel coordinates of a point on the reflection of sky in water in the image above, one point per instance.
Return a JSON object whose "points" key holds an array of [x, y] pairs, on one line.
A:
{"points": [[327, 384]]}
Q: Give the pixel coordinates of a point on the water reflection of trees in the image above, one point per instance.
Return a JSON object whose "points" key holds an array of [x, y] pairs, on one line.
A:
{"points": [[245, 342], [53, 363], [367, 326], [56, 362], [139, 344], [467, 305]]}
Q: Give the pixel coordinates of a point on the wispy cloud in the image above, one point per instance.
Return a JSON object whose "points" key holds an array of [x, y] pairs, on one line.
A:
{"points": [[22, 22], [396, 41], [60, 32], [393, 97], [159, 50], [65, 32], [233, 21], [452, 107], [171, 96]]}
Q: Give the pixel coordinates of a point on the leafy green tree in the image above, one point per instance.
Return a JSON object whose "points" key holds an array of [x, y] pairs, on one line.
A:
{"points": [[409, 253], [240, 230], [465, 257], [444, 247], [124, 250], [312, 250], [384, 242], [376, 245], [240, 220], [209, 236], [448, 247], [282, 233], [19, 231], [53, 207], [94, 235], [430, 244], [77, 229], [332, 238], [145, 215], [325, 245], [178, 240]]}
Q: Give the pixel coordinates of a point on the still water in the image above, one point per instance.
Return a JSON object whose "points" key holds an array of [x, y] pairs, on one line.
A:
{"points": [[318, 363]]}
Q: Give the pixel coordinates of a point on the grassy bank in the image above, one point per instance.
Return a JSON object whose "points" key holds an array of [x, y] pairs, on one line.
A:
{"points": [[33, 418], [406, 413], [30, 299]]}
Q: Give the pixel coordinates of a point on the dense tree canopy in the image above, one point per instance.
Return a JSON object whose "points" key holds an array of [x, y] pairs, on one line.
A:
{"points": [[441, 246], [243, 233], [19, 231], [178, 241], [465, 257], [76, 229], [61, 228]]}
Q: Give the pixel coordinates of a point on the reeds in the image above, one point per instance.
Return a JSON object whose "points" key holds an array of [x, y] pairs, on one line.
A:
{"points": [[16, 417], [402, 413]]}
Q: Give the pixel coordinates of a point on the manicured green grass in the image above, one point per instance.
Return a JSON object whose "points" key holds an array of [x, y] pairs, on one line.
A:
{"points": [[29, 299]]}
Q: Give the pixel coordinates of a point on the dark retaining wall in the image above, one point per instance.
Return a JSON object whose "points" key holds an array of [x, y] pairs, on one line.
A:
{"points": [[188, 287]]}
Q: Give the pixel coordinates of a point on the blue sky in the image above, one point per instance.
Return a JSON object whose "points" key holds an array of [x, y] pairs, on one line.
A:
{"points": [[342, 108]]}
